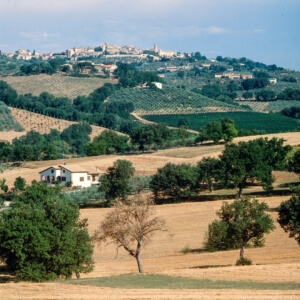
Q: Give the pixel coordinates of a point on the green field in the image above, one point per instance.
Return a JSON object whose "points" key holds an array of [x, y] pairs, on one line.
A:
{"points": [[135, 281], [170, 100], [270, 123]]}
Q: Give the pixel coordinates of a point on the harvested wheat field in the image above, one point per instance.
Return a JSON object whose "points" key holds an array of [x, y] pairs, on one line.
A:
{"points": [[58, 85], [278, 261], [177, 252]]}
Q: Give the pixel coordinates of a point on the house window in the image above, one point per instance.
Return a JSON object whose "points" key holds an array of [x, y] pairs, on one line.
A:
{"points": [[89, 178], [93, 178], [63, 179], [81, 178], [64, 171], [52, 171]]}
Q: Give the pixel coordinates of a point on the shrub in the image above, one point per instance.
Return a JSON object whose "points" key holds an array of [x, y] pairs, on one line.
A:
{"points": [[243, 261]]}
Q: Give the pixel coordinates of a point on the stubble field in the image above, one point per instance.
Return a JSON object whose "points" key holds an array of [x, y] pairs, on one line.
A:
{"points": [[278, 261]]}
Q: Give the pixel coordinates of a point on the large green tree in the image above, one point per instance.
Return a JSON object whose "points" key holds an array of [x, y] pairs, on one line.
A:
{"points": [[174, 181], [42, 238], [241, 221], [246, 162], [289, 215], [116, 182], [208, 170]]}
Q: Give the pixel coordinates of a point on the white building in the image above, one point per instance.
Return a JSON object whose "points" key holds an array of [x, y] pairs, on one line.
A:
{"points": [[70, 174]]}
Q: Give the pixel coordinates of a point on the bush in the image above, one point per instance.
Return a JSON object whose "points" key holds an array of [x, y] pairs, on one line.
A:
{"points": [[243, 261]]}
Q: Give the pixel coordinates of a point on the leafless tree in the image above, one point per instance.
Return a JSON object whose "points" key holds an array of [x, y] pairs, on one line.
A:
{"points": [[130, 225]]}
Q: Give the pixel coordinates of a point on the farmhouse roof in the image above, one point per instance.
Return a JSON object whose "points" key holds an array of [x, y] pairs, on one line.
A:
{"points": [[52, 167], [76, 169]]}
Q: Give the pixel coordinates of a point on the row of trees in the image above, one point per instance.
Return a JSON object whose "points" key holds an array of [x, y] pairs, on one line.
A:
{"points": [[75, 140], [35, 146], [238, 166]]}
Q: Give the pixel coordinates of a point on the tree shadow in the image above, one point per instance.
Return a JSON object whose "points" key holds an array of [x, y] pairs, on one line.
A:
{"points": [[5, 276], [210, 266]]}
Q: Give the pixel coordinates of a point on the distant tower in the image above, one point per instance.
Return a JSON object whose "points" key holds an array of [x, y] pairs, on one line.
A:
{"points": [[155, 48]]}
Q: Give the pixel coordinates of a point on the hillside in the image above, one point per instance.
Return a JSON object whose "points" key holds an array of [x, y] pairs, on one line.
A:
{"points": [[170, 100], [7, 121], [278, 262], [58, 85], [40, 123]]}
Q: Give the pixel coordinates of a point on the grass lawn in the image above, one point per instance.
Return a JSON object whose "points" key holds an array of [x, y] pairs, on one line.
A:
{"points": [[152, 281]]}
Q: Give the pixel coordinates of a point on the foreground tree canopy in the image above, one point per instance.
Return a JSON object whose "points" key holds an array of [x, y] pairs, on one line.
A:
{"points": [[42, 238]]}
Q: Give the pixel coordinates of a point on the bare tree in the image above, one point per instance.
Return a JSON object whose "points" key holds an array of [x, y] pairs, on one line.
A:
{"points": [[130, 225]]}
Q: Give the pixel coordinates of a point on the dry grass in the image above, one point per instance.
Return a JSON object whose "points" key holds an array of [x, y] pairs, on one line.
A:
{"points": [[278, 261], [58, 85]]}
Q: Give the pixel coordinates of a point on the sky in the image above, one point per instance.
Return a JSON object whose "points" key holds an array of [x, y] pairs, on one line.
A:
{"points": [[266, 31]]}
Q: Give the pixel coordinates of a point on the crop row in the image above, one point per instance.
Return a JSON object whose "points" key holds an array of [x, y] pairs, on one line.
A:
{"points": [[170, 100], [58, 85], [270, 106]]}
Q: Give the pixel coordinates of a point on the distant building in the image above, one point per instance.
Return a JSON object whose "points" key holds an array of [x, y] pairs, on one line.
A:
{"points": [[273, 80], [163, 53], [233, 75]]}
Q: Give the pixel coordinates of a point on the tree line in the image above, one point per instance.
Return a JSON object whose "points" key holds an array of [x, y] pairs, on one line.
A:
{"points": [[239, 166]]}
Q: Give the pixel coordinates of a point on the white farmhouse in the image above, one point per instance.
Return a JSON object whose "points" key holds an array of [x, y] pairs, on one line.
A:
{"points": [[70, 174]]}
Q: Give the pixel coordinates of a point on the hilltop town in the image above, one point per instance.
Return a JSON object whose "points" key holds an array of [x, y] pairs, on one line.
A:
{"points": [[85, 52]]}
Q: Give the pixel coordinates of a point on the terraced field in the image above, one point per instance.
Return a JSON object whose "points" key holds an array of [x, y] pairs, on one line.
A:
{"points": [[58, 85], [170, 100]]}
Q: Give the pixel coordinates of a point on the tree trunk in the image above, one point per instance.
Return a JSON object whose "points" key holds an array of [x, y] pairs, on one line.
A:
{"points": [[139, 262], [242, 249], [137, 256], [240, 191]]}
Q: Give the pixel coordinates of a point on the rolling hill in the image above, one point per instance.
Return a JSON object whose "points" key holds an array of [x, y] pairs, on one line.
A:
{"points": [[171, 100], [58, 85], [7, 121]]}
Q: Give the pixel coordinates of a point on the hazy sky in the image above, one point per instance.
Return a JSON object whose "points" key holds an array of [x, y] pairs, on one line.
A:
{"points": [[267, 31]]}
